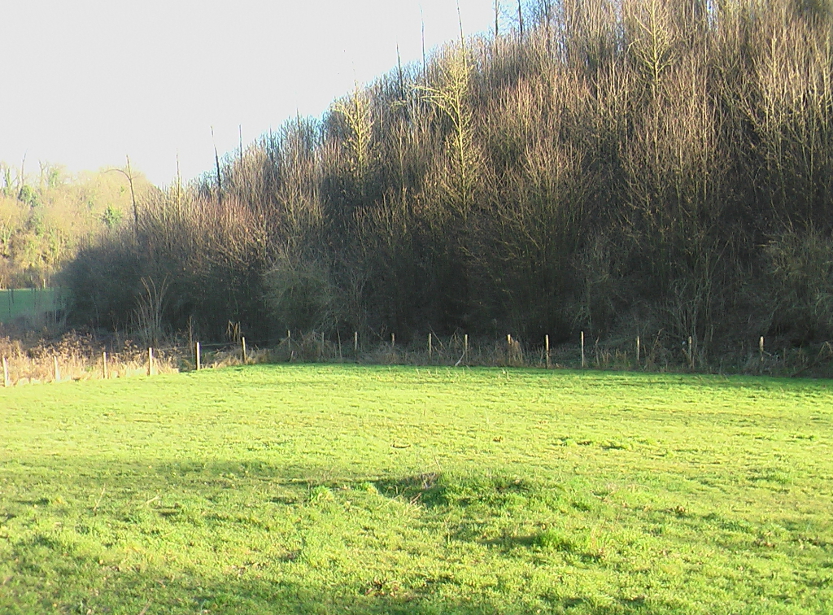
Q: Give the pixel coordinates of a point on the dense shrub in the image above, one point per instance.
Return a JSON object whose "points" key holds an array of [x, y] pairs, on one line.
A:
{"points": [[198, 261]]}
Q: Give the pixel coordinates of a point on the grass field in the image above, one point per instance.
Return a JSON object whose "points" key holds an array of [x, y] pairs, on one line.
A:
{"points": [[29, 303], [339, 489]]}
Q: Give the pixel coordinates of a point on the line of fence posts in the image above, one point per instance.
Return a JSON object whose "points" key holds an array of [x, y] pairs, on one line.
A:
{"points": [[464, 360], [56, 367], [392, 345]]}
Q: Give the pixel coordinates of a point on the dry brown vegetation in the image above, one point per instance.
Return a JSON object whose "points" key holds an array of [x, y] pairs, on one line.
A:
{"points": [[33, 359], [620, 167], [74, 356], [77, 357]]}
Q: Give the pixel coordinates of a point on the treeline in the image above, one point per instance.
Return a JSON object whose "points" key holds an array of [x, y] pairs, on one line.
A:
{"points": [[620, 167], [46, 216]]}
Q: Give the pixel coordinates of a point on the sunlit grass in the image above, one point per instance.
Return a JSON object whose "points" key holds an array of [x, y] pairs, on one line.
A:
{"points": [[28, 303], [319, 489]]}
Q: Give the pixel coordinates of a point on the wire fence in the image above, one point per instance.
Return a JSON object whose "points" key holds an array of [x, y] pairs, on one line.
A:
{"points": [[73, 360]]}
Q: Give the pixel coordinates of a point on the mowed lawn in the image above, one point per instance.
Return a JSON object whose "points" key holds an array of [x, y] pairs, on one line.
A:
{"points": [[345, 489]]}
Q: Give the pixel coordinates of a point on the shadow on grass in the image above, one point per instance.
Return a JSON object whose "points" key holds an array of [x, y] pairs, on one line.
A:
{"points": [[53, 575], [253, 597], [151, 592], [62, 522], [497, 491]]}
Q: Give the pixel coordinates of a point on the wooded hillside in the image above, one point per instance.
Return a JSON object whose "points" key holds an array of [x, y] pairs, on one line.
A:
{"points": [[46, 216], [621, 167]]}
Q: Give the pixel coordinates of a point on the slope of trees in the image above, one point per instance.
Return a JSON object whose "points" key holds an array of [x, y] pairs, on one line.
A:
{"points": [[620, 167], [46, 216]]}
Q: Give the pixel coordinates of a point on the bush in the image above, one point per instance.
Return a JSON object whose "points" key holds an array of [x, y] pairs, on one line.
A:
{"points": [[800, 275], [300, 295]]}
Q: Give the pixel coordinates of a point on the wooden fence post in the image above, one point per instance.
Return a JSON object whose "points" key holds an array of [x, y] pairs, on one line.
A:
{"points": [[356, 343], [547, 350], [150, 361], [690, 352], [392, 341], [243, 343], [761, 348], [57, 369], [104, 364], [637, 350], [197, 355], [583, 361], [465, 348], [430, 349]]}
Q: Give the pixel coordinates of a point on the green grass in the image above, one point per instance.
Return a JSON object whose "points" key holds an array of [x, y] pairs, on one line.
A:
{"points": [[325, 489], [31, 303]]}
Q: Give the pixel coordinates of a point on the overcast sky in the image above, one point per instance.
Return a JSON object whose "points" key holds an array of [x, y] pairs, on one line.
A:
{"points": [[86, 82]]}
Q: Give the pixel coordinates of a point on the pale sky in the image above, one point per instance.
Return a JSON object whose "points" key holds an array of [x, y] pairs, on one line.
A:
{"points": [[87, 82]]}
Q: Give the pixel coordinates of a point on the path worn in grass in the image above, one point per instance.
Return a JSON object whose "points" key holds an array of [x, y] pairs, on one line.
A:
{"points": [[321, 489]]}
